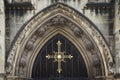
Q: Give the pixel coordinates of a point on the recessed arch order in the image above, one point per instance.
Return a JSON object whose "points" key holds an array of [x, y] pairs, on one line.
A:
{"points": [[59, 19]]}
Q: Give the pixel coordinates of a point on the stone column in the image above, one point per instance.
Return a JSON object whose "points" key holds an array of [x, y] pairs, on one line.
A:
{"points": [[2, 40], [117, 38]]}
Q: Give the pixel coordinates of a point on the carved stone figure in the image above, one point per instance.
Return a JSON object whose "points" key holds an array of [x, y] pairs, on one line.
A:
{"points": [[58, 20], [41, 31], [88, 44], [96, 60], [22, 61], [78, 32], [29, 45]]}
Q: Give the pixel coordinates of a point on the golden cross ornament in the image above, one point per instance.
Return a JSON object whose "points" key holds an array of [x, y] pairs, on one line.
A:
{"points": [[59, 57]]}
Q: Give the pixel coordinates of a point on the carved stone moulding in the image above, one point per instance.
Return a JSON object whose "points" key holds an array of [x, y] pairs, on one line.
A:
{"points": [[87, 37], [62, 21], [88, 43], [22, 61], [41, 31], [71, 26], [30, 43], [96, 60]]}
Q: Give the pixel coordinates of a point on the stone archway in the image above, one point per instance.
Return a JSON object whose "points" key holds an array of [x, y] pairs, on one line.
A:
{"points": [[59, 19]]}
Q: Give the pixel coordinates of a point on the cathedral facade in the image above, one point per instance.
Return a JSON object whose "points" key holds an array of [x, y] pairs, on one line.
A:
{"points": [[60, 40]]}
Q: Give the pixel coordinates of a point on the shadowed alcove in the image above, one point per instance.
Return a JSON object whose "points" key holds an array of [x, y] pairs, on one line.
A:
{"points": [[74, 69]]}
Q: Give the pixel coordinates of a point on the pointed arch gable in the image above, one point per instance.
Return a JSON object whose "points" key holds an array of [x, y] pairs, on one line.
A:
{"points": [[52, 20], [68, 48], [49, 35]]}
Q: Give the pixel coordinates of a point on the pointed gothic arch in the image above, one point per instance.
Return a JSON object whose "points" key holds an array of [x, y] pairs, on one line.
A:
{"points": [[64, 20]]}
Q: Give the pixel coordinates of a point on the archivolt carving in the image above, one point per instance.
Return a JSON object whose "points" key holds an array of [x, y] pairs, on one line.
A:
{"points": [[41, 31], [29, 45], [21, 71], [59, 20], [106, 50], [89, 45], [22, 61], [96, 60], [78, 32]]}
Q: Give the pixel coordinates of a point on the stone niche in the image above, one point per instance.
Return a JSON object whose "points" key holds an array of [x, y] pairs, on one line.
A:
{"points": [[21, 3], [100, 1], [18, 1]]}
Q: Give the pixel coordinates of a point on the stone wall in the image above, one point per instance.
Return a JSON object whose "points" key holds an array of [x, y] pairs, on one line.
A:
{"points": [[15, 18], [99, 1], [2, 40], [117, 36], [14, 21]]}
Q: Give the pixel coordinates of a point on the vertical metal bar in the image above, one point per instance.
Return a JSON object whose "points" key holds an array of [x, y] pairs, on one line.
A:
{"points": [[46, 61], [40, 65], [78, 65], [52, 63], [65, 59], [72, 61]]}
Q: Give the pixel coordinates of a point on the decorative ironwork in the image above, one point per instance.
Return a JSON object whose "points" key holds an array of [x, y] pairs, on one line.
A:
{"points": [[59, 56]]}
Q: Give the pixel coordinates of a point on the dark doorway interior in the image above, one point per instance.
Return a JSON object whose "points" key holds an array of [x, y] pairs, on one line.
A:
{"points": [[46, 69]]}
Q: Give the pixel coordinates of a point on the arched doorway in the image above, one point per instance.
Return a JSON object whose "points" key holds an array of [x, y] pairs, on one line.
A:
{"points": [[74, 69], [74, 28]]}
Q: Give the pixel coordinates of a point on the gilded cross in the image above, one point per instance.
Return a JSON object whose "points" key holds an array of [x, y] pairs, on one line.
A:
{"points": [[59, 56]]}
